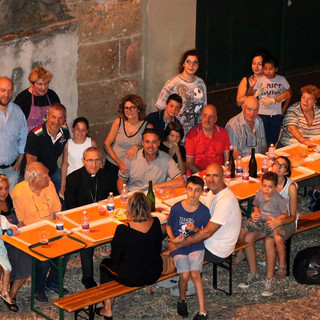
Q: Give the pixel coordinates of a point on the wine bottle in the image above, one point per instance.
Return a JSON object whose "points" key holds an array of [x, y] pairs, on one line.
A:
{"points": [[253, 168], [151, 197], [232, 163]]}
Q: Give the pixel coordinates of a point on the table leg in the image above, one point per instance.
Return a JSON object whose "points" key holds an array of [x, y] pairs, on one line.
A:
{"points": [[33, 288]]}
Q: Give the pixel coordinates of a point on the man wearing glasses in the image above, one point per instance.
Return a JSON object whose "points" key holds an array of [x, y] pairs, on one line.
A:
{"points": [[83, 186], [36, 199], [246, 130]]}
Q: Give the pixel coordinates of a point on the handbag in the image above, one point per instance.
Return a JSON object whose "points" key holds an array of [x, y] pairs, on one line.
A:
{"points": [[168, 265]]}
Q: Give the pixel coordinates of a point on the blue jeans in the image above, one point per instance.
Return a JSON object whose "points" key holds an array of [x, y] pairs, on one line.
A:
{"points": [[272, 127], [56, 180], [42, 268]]}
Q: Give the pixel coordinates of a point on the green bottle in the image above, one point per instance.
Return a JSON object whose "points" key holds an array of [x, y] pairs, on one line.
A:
{"points": [[151, 197]]}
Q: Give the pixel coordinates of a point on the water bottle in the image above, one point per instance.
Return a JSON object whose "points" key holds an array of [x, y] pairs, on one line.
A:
{"points": [[239, 167], [85, 222], [232, 163], [110, 203], [272, 152], [124, 196], [265, 165], [151, 197], [227, 173], [253, 167], [59, 223], [245, 175]]}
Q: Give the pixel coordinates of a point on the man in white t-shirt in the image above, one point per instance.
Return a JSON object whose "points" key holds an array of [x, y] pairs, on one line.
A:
{"points": [[222, 231]]}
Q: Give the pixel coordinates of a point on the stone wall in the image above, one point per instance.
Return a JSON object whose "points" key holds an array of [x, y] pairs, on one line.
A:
{"points": [[109, 58]]}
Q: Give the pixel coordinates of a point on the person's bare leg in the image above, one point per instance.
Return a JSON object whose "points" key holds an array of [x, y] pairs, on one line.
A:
{"points": [[15, 286], [183, 284], [251, 238], [239, 254], [281, 249], [271, 254], [198, 283], [107, 309]]}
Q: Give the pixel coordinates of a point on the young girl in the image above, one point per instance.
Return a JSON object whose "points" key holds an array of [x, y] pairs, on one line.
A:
{"points": [[73, 150], [5, 266]]}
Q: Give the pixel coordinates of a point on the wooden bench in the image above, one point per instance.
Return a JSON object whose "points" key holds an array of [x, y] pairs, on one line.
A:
{"points": [[305, 222], [87, 299]]}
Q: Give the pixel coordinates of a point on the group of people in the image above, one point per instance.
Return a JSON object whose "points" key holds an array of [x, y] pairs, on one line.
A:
{"points": [[179, 139]]}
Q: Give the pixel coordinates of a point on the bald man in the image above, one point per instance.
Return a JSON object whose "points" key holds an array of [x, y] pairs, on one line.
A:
{"points": [[222, 231], [246, 129], [13, 133], [206, 142]]}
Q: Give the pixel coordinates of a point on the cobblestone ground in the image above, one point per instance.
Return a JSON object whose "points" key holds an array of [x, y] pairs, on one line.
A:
{"points": [[290, 300]]}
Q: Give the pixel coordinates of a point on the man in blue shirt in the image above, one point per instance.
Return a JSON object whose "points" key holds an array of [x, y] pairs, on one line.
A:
{"points": [[13, 133]]}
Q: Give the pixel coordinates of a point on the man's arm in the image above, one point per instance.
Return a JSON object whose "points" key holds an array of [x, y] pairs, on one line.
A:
{"points": [[31, 158], [208, 231], [191, 166], [177, 182], [17, 165]]}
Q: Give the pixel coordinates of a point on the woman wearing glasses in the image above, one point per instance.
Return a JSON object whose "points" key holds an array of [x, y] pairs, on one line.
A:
{"points": [[288, 189], [125, 137], [190, 88]]}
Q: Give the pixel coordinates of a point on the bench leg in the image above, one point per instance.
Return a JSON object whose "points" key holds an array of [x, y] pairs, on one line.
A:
{"points": [[227, 265], [288, 251]]}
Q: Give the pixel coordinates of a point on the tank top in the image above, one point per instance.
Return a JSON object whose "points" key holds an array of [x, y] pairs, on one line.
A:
{"points": [[75, 154], [123, 143]]}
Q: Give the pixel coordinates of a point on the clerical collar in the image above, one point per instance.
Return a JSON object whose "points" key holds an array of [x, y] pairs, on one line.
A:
{"points": [[93, 175]]}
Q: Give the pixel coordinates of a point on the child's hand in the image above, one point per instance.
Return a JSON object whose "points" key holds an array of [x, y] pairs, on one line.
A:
{"points": [[272, 223], [266, 101], [255, 216], [190, 227]]}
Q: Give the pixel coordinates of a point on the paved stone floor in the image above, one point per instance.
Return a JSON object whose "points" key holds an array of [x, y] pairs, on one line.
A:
{"points": [[290, 300]]}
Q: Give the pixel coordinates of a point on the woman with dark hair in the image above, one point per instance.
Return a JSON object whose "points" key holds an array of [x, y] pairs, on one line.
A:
{"points": [[73, 150], [135, 258], [247, 83], [190, 88], [289, 191], [125, 137], [173, 135]]}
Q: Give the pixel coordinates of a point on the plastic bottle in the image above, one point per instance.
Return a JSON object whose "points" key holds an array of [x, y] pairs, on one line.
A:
{"points": [[272, 152], [232, 163], [59, 223], [265, 165], [151, 197], [110, 203], [239, 167], [227, 173], [245, 175], [124, 196], [85, 222], [253, 168]]}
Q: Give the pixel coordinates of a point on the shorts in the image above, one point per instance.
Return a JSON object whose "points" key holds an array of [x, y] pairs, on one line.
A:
{"points": [[260, 225], [191, 262]]}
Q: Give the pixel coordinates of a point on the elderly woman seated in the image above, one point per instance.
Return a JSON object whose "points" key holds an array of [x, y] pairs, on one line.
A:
{"points": [[36, 199], [302, 120]]}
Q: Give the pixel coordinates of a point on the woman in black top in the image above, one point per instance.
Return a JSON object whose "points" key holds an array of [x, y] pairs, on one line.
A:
{"points": [[135, 258]]}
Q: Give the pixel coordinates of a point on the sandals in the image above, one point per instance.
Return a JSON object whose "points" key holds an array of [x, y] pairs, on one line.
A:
{"points": [[238, 258], [9, 302], [282, 271]]}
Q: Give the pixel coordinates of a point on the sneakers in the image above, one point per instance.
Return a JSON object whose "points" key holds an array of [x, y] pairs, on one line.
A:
{"points": [[201, 316], [251, 279], [191, 290], [269, 287], [182, 308]]}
